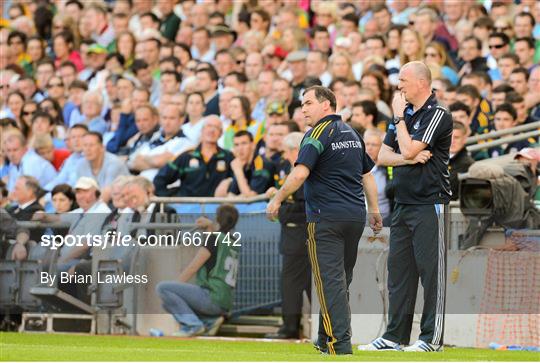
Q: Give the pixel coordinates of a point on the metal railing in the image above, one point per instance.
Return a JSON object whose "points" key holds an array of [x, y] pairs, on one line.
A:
{"points": [[493, 134], [208, 200], [205, 202], [504, 140]]}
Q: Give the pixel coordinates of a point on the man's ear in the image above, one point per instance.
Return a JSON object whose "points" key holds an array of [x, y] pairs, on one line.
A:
{"points": [[327, 107], [371, 119]]}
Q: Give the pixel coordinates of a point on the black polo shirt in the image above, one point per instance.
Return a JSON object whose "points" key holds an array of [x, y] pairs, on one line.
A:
{"points": [[424, 183], [336, 157], [259, 175], [198, 178]]}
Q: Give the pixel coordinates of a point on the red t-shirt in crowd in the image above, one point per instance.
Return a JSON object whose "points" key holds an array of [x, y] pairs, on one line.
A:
{"points": [[59, 156]]}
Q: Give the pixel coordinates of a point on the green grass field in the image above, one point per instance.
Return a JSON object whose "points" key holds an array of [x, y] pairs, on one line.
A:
{"points": [[64, 347]]}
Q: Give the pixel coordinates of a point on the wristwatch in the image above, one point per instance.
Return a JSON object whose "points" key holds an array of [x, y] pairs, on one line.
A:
{"points": [[398, 119]]}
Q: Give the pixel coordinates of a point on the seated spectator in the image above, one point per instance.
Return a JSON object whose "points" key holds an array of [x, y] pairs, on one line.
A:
{"points": [[240, 112], [95, 73], [271, 145], [142, 71], [436, 54], [518, 80], [121, 214], [470, 51], [480, 117], [498, 95], [282, 91], [366, 94], [194, 114], [67, 71], [200, 307], [54, 112], [138, 192], [275, 113], [88, 218], [518, 102], [170, 82], [26, 195], [506, 118], [524, 48], [461, 113], [44, 124], [63, 46], [147, 122], [127, 127], [363, 116], [67, 170], [460, 160], [252, 175], [63, 199], [506, 64], [532, 99], [43, 145], [484, 85], [99, 164], [199, 171], [171, 142], [73, 107], [10, 230], [23, 161], [350, 92], [373, 138], [92, 105], [207, 83]]}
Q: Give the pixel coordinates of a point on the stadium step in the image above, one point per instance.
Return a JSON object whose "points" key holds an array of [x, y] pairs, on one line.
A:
{"points": [[251, 325], [58, 323]]}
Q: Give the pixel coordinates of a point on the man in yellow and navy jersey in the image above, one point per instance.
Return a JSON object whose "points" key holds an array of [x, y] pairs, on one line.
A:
{"points": [[334, 168]]}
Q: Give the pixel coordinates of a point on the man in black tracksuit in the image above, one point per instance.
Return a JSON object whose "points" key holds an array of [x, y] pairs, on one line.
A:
{"points": [[417, 145], [296, 272], [335, 167]]}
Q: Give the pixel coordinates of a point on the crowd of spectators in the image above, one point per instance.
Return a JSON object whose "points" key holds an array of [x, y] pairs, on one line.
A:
{"points": [[196, 97]]}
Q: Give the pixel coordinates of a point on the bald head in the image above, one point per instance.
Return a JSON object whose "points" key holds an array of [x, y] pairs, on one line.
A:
{"points": [[213, 120], [420, 70], [212, 129], [415, 83]]}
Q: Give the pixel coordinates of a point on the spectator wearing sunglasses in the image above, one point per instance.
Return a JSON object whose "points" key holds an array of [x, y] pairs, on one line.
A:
{"points": [[25, 121], [498, 44], [56, 91]]}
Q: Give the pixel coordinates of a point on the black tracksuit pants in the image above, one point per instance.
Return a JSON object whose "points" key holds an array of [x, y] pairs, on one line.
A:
{"points": [[417, 249], [332, 247], [296, 278]]}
